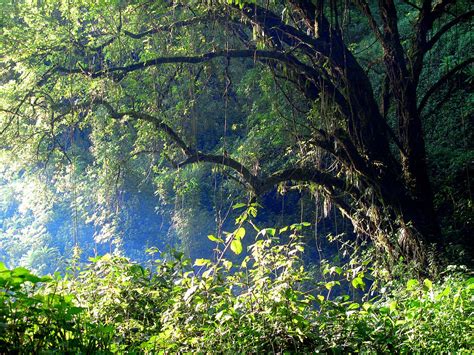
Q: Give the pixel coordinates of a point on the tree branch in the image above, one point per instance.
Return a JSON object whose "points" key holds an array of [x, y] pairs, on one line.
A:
{"points": [[427, 18], [394, 54], [304, 71], [258, 185], [364, 7], [302, 174], [412, 4], [159, 124], [443, 80], [308, 13], [157, 29], [440, 8], [461, 18], [227, 161], [231, 53], [280, 32]]}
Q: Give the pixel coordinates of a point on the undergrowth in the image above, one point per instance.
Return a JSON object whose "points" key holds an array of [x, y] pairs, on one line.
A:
{"points": [[265, 302]]}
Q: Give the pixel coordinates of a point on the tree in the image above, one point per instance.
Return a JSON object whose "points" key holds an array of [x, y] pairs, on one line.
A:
{"points": [[104, 59]]}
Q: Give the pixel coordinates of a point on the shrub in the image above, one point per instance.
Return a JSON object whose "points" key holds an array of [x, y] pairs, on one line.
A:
{"points": [[265, 302]]}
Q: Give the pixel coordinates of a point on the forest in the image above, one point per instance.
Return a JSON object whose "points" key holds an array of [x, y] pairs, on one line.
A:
{"points": [[236, 176]]}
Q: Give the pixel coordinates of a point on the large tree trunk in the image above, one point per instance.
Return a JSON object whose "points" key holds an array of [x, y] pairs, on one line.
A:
{"points": [[394, 195]]}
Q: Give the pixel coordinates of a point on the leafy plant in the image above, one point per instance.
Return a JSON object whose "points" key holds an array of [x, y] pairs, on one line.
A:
{"points": [[265, 302]]}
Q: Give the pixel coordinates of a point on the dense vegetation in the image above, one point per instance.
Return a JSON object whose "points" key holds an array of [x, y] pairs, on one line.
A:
{"points": [[128, 127], [266, 303]]}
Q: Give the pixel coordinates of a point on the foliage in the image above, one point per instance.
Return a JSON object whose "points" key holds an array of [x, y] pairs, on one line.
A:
{"points": [[33, 318], [61, 58], [267, 302], [107, 105]]}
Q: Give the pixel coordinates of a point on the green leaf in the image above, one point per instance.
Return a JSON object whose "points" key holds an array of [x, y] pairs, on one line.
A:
{"points": [[358, 282], [253, 212], [427, 285], [202, 262], [411, 284], [445, 293], [227, 264], [335, 269], [75, 310], [189, 293], [331, 284], [239, 233], [239, 205], [353, 306], [236, 246], [20, 271], [270, 231], [207, 273], [32, 278], [213, 238]]}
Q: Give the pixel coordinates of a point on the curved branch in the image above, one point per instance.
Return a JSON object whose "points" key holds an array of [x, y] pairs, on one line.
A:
{"points": [[101, 46], [443, 80], [302, 174], [440, 8], [357, 85], [258, 185], [227, 161], [262, 185], [232, 53], [159, 124], [461, 18], [157, 29], [304, 71], [421, 45], [280, 32]]}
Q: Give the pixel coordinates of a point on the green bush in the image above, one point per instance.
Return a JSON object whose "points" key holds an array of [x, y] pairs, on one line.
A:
{"points": [[265, 302], [35, 317]]}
